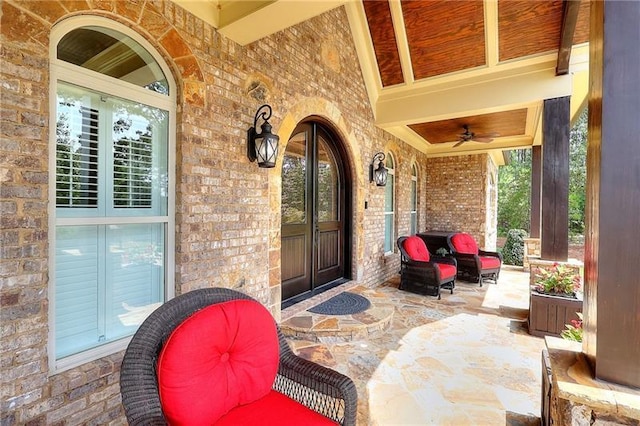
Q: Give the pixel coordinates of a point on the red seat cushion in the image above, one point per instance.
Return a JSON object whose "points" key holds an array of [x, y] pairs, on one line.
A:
{"points": [[489, 262], [464, 243], [446, 270], [416, 248], [273, 409], [220, 357]]}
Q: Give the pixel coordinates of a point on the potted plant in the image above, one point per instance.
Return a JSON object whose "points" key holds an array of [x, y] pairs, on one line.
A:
{"points": [[555, 300]]}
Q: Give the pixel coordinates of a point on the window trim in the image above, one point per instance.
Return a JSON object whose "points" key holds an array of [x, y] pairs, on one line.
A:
{"points": [[69, 73]]}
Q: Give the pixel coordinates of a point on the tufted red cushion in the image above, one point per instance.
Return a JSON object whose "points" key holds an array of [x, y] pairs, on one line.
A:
{"points": [[416, 248], [274, 409], [464, 243], [446, 270], [489, 262], [222, 356]]}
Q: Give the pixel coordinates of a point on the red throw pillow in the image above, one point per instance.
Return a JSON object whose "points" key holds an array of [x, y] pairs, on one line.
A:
{"points": [[416, 248], [464, 243], [222, 356]]}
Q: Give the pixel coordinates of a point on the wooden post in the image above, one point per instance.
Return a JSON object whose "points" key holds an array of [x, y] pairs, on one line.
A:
{"points": [[555, 179], [612, 247]]}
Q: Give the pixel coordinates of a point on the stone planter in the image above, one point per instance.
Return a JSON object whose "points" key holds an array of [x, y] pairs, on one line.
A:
{"points": [[549, 314]]}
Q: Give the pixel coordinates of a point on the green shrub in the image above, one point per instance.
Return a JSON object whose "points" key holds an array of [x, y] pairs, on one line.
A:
{"points": [[513, 250]]}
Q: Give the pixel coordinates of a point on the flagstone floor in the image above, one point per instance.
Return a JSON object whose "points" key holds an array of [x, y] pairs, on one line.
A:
{"points": [[466, 359]]}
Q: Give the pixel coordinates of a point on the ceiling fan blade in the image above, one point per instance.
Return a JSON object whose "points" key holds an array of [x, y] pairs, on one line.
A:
{"points": [[482, 139], [459, 143]]}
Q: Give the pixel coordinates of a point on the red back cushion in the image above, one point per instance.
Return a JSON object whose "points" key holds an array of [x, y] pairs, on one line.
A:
{"points": [[222, 356], [416, 248], [464, 243]]}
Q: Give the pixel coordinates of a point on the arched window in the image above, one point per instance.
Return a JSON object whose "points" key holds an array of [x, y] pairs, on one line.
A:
{"points": [[414, 199], [112, 187], [389, 205]]}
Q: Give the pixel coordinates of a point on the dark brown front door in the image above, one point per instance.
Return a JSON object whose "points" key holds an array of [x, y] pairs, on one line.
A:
{"points": [[313, 211]]}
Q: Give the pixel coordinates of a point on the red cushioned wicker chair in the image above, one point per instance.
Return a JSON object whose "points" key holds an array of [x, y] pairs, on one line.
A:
{"points": [[421, 272], [474, 264], [216, 357]]}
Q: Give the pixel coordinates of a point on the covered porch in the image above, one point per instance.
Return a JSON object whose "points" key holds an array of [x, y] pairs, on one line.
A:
{"points": [[514, 72]]}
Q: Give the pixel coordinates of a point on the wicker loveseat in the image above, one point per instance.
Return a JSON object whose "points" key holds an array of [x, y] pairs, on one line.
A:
{"points": [[474, 264], [421, 272], [216, 356]]}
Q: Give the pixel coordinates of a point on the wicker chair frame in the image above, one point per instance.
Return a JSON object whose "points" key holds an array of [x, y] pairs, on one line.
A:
{"points": [[470, 265], [424, 277], [325, 391]]}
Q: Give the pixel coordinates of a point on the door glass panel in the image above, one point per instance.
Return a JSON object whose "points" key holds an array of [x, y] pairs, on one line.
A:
{"points": [[294, 178], [327, 184]]}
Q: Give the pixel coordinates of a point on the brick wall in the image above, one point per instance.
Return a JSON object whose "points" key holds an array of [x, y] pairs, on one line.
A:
{"points": [[459, 197], [227, 209]]}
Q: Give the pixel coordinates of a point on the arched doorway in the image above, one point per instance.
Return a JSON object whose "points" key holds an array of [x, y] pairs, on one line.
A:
{"points": [[316, 194]]}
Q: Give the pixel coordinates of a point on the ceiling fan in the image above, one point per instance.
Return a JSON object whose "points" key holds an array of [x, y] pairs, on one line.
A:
{"points": [[468, 135]]}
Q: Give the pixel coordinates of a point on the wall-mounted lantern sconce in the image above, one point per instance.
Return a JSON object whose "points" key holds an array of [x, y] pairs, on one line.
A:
{"points": [[262, 146], [378, 174]]}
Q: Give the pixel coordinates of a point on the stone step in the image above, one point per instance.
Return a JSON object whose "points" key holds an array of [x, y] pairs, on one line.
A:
{"points": [[313, 327]]}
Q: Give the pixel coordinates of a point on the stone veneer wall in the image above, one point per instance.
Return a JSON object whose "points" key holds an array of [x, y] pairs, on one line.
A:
{"points": [[532, 248], [227, 209], [461, 198], [577, 398]]}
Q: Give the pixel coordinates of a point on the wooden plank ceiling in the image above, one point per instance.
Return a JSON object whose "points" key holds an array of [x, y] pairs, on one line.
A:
{"points": [[446, 38]]}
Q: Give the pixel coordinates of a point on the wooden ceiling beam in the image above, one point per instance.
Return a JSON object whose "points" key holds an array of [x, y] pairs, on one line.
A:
{"points": [[570, 9]]}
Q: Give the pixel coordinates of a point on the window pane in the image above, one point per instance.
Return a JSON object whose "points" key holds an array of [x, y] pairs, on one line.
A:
{"points": [[327, 184], [388, 218], [388, 233], [135, 264], [77, 127], [414, 222], [139, 168], [294, 181], [388, 194], [414, 196], [77, 289], [112, 53], [108, 279]]}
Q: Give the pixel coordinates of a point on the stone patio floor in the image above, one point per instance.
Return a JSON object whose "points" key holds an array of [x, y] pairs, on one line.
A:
{"points": [[466, 359]]}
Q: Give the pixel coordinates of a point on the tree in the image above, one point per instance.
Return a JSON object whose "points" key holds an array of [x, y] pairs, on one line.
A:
{"points": [[514, 189], [514, 184], [578, 173]]}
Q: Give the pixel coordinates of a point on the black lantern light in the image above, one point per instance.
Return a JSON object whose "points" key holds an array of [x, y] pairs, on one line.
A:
{"points": [[378, 174], [262, 146]]}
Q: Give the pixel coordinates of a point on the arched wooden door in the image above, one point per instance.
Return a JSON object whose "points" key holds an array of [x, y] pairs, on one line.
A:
{"points": [[314, 210]]}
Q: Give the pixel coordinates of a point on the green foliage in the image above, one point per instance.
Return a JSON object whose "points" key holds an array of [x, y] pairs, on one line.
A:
{"points": [[513, 250], [514, 184], [514, 192], [578, 174]]}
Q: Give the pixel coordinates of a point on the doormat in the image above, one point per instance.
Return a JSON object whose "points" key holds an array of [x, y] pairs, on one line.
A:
{"points": [[345, 303]]}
